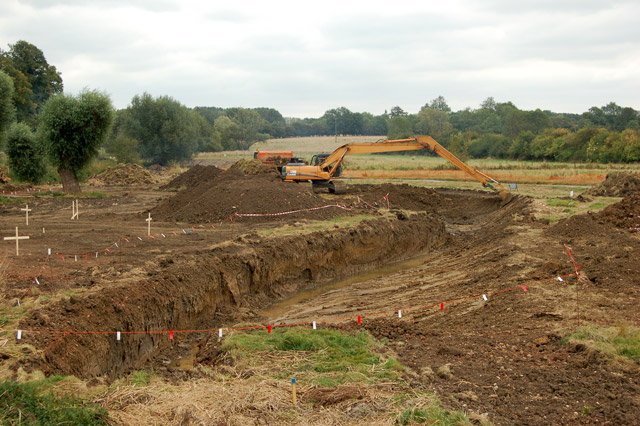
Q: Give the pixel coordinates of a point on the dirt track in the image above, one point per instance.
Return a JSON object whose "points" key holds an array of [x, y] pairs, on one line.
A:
{"points": [[505, 355]]}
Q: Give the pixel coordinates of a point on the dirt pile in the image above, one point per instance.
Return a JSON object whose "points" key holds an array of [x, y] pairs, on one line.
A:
{"points": [[254, 167], [234, 192], [123, 175], [249, 187], [14, 186], [623, 214], [401, 196], [195, 176], [617, 184], [607, 244]]}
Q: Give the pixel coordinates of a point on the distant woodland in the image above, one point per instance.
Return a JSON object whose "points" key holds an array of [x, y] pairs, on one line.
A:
{"points": [[161, 130]]}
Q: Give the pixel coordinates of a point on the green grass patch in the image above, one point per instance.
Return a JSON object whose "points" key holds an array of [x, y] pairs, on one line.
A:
{"points": [[322, 357], [597, 206], [7, 200], [424, 408], [555, 202], [14, 313], [35, 403], [139, 378], [617, 342], [92, 194]]}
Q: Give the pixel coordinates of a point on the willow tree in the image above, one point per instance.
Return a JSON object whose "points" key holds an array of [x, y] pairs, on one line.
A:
{"points": [[72, 129]]}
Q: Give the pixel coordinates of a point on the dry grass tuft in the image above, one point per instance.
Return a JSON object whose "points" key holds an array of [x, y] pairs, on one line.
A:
{"points": [[224, 400], [251, 385]]}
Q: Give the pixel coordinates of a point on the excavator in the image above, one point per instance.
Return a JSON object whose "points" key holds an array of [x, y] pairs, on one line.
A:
{"points": [[326, 167]]}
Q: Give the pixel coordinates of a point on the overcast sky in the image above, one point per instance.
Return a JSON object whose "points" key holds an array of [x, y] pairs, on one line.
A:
{"points": [[303, 58]]}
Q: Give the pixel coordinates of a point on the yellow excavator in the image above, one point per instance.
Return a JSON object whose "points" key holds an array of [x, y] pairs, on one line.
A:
{"points": [[325, 167]]}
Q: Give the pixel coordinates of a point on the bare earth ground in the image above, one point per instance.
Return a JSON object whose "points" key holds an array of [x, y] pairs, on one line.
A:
{"points": [[502, 359]]}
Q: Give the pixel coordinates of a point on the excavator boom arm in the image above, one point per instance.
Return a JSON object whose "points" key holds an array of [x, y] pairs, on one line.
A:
{"points": [[327, 169], [338, 155]]}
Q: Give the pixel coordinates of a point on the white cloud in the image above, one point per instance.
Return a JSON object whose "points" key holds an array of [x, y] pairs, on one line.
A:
{"points": [[304, 58]]}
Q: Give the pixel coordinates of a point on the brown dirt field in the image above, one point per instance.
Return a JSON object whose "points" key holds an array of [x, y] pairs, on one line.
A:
{"points": [[503, 358]]}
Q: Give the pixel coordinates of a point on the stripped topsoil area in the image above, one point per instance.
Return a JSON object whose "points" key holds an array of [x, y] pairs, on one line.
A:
{"points": [[506, 356]]}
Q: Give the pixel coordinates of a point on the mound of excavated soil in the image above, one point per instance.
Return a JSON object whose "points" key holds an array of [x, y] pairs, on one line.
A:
{"points": [[123, 175], [234, 192], [254, 167], [623, 214], [193, 177], [616, 184], [249, 187]]}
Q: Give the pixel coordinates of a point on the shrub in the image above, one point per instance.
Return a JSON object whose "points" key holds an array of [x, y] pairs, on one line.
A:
{"points": [[25, 159], [33, 404]]}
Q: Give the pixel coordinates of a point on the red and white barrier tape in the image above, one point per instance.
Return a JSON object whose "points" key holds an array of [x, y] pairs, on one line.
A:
{"points": [[358, 318]]}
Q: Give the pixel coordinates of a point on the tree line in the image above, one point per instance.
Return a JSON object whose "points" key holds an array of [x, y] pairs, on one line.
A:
{"points": [[40, 125]]}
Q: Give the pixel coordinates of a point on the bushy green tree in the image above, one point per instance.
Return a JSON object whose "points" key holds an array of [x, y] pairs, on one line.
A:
{"points": [[7, 112], [342, 121], [396, 111], [399, 127], [124, 148], [274, 122], [496, 146], [251, 125], [228, 133], [433, 122], [72, 129], [166, 130], [548, 144], [463, 120], [519, 148], [35, 81], [25, 159], [374, 125], [631, 142], [517, 121], [439, 103]]}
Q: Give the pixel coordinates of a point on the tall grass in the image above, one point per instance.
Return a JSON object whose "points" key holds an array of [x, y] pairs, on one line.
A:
{"points": [[617, 342], [34, 403]]}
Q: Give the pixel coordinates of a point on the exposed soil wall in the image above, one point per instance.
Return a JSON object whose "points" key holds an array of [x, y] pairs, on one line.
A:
{"points": [[214, 287]]}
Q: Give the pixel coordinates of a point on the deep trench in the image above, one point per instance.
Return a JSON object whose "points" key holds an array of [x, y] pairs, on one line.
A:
{"points": [[211, 289]]}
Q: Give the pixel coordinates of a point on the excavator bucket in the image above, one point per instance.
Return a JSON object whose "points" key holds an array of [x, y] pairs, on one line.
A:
{"points": [[506, 197]]}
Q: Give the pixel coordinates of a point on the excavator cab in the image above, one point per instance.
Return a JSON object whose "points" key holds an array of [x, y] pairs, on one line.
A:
{"points": [[318, 159]]}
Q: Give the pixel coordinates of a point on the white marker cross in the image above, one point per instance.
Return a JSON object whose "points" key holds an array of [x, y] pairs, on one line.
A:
{"points": [[148, 220], [17, 238], [26, 210]]}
